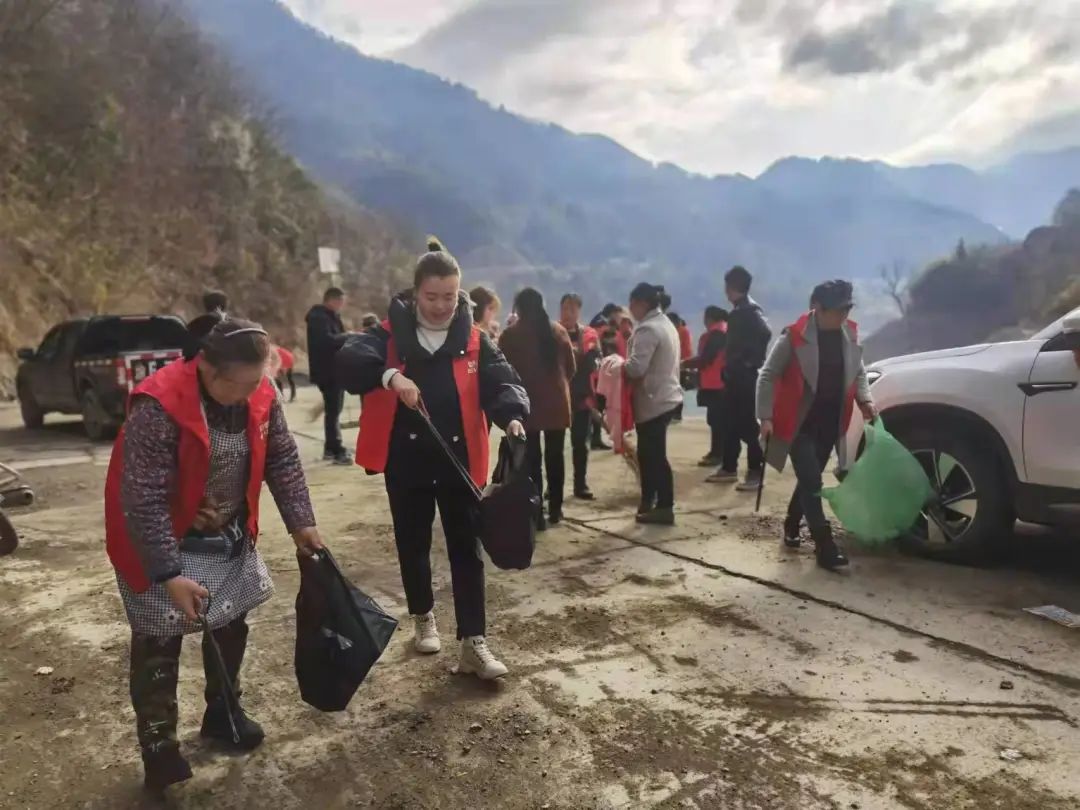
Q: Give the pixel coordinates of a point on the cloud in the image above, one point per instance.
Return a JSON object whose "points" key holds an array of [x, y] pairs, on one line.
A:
{"points": [[933, 41], [876, 43], [732, 85]]}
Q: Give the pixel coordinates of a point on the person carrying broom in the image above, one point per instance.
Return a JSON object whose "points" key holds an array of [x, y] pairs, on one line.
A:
{"points": [[806, 395]]}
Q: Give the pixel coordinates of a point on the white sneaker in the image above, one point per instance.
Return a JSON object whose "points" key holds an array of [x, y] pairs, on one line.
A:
{"points": [[477, 659], [426, 640]]}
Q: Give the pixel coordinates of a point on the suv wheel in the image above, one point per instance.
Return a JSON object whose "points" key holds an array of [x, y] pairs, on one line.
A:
{"points": [[971, 515], [96, 421], [32, 415]]}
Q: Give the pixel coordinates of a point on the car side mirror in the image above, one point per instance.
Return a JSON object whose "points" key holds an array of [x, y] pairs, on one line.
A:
{"points": [[25, 354]]}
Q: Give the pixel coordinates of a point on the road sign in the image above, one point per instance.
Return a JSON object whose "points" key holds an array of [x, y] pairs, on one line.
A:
{"points": [[329, 260]]}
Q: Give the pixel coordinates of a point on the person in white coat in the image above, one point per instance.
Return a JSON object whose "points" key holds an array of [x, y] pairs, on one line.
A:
{"points": [[652, 368]]}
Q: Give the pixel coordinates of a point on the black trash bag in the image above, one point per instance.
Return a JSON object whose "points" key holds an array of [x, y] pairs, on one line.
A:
{"points": [[508, 509], [340, 633]]}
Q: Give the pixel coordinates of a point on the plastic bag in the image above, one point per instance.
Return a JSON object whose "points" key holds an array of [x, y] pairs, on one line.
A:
{"points": [[508, 509], [881, 497], [340, 633]]}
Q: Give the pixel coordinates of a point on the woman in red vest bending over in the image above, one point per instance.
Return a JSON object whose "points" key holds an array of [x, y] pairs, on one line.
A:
{"points": [[181, 519], [806, 395], [709, 362], [429, 351]]}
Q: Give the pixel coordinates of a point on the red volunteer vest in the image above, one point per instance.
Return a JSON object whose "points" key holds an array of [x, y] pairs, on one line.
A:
{"points": [[176, 388], [790, 387], [711, 377], [379, 409], [590, 339], [686, 342]]}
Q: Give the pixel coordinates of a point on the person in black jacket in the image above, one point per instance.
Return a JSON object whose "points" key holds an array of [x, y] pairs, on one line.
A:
{"points": [[709, 365], [325, 335], [748, 339], [215, 306], [583, 398], [433, 360]]}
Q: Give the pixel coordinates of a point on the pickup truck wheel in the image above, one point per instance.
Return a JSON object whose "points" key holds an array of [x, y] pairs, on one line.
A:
{"points": [[970, 517], [32, 415], [96, 421]]}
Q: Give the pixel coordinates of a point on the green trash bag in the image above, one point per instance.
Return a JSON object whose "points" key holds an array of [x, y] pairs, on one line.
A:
{"points": [[883, 494]]}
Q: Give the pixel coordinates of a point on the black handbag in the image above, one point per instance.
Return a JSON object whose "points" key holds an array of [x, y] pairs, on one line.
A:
{"points": [[507, 508], [340, 633]]}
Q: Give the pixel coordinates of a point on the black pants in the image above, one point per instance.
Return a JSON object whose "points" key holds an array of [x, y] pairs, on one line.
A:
{"points": [[413, 511], [287, 377], [809, 453], [657, 482], [551, 460], [334, 401], [579, 441], [742, 425], [716, 418], [597, 426], [155, 670]]}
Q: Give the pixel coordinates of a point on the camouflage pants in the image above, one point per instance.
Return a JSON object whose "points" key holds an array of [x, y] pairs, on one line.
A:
{"points": [[155, 669]]}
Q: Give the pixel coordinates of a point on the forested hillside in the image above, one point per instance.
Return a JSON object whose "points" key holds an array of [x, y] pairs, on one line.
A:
{"points": [[991, 293], [134, 174]]}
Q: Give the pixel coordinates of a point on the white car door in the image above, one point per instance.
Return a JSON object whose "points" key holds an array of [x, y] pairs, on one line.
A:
{"points": [[1052, 416]]}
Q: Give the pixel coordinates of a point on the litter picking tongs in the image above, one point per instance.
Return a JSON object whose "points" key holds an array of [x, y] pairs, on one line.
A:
{"points": [[761, 481], [421, 409], [228, 691]]}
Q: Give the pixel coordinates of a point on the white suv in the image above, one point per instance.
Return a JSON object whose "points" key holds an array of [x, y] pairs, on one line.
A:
{"points": [[997, 428]]}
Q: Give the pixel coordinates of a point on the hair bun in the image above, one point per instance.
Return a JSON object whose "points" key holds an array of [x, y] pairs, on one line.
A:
{"points": [[659, 288], [434, 245]]}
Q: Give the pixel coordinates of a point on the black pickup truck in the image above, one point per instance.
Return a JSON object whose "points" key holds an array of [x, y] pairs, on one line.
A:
{"points": [[89, 367]]}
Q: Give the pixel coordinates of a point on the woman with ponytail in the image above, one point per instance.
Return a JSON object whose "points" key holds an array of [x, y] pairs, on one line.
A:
{"points": [[541, 352], [652, 368], [429, 366]]}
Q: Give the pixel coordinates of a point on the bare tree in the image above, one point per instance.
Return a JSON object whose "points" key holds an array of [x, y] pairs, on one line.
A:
{"points": [[895, 280]]}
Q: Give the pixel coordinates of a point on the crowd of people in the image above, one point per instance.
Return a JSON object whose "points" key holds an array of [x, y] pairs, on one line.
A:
{"points": [[184, 483]]}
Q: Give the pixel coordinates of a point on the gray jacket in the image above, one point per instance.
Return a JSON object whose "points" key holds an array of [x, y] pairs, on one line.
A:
{"points": [[807, 355], [653, 366]]}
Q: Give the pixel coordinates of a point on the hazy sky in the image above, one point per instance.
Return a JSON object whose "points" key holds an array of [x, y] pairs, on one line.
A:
{"points": [[731, 85]]}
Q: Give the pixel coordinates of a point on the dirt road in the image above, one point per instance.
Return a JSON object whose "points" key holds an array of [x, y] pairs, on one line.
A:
{"points": [[696, 667]]}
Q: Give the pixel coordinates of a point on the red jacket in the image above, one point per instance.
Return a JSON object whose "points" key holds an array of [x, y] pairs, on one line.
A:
{"points": [[379, 410], [176, 388], [686, 342], [711, 377], [287, 359], [791, 386]]}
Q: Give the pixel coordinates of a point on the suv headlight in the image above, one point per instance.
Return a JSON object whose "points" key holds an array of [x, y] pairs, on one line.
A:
{"points": [[873, 375]]}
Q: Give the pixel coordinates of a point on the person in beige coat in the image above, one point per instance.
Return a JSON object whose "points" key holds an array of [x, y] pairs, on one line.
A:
{"points": [[543, 356]]}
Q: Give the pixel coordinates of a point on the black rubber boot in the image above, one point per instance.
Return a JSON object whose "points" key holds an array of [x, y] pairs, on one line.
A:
{"points": [[555, 514], [163, 768], [216, 726], [830, 555]]}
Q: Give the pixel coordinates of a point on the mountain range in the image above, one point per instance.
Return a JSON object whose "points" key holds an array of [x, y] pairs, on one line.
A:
{"points": [[521, 201]]}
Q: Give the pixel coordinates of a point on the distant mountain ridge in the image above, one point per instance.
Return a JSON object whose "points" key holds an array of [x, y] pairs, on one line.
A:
{"points": [[1015, 196], [526, 202]]}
